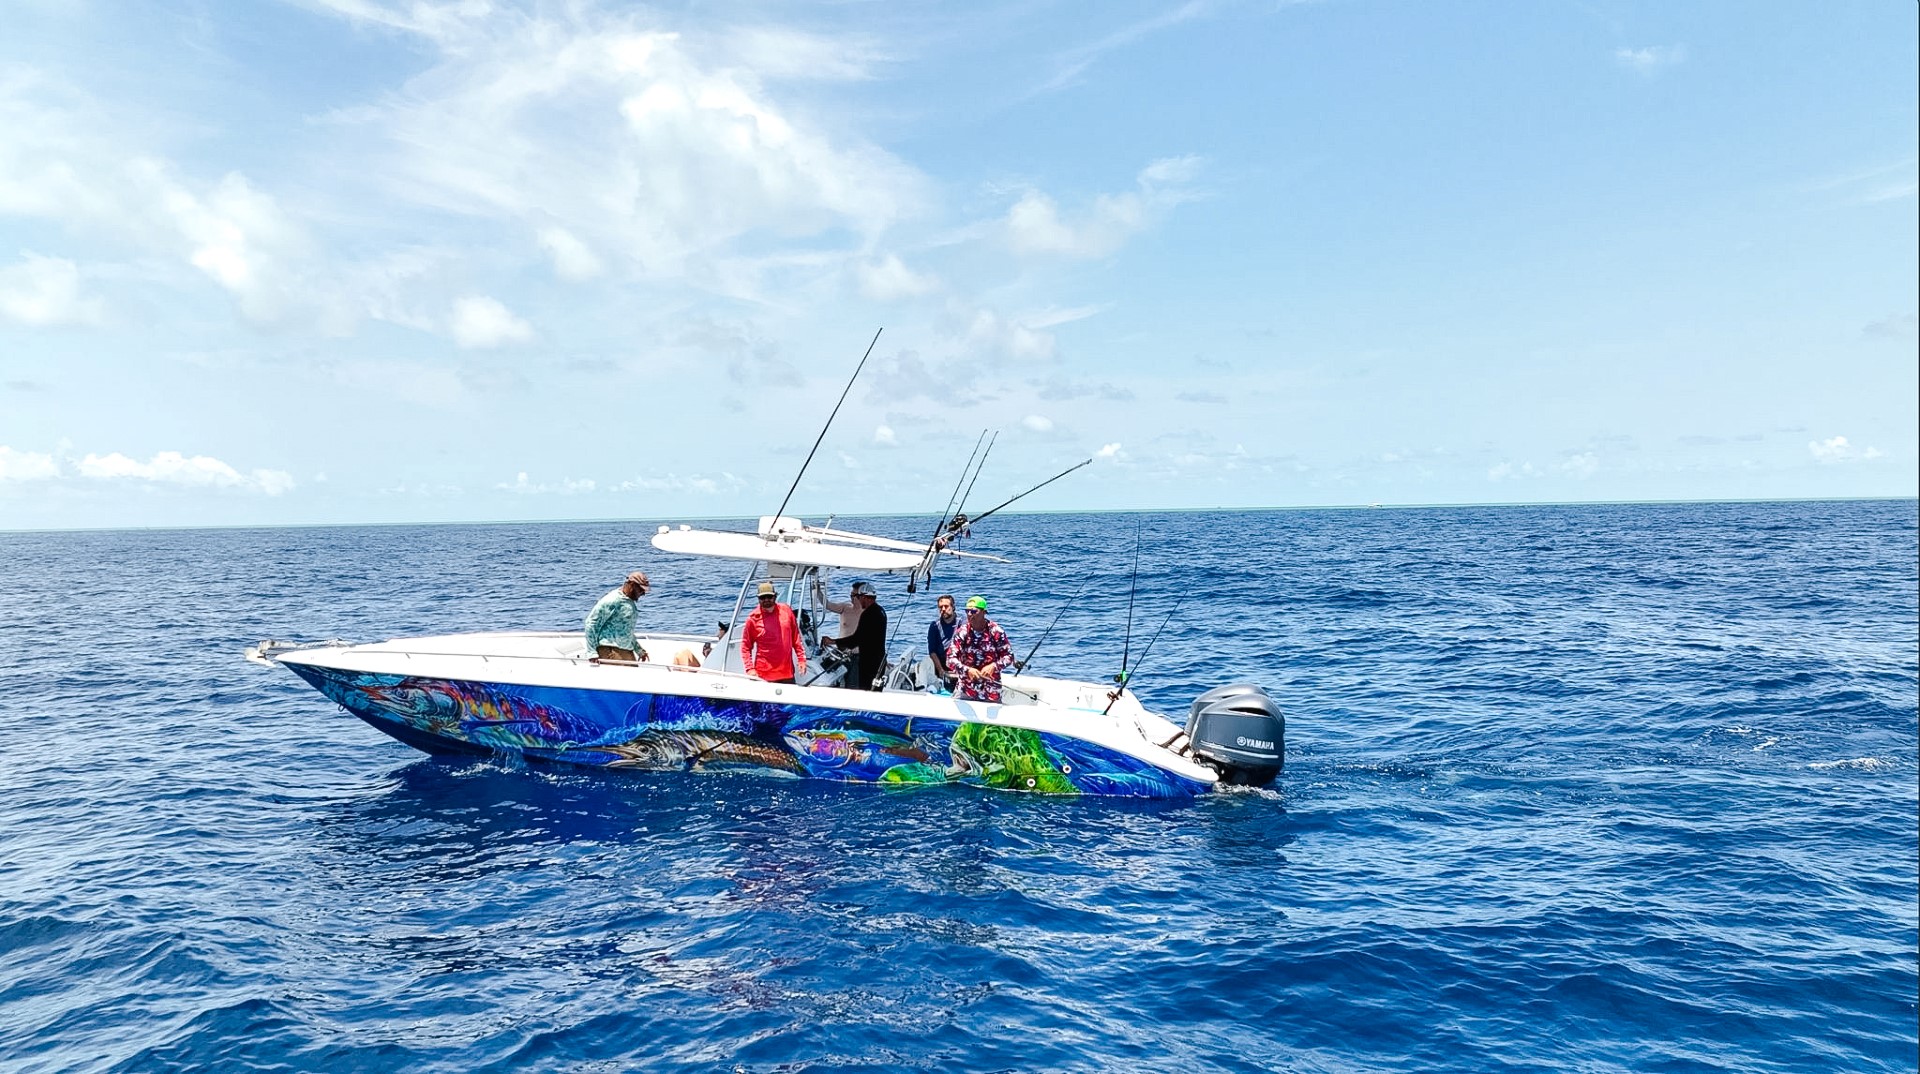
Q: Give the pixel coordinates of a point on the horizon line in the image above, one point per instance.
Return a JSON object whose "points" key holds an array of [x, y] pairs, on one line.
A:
{"points": [[1060, 511]]}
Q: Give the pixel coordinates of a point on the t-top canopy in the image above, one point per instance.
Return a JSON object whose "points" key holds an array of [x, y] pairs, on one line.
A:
{"points": [[799, 546]]}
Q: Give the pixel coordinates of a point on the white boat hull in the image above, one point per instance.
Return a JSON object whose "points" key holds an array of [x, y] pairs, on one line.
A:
{"points": [[539, 695]]}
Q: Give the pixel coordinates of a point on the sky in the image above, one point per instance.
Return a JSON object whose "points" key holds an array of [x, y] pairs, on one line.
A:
{"points": [[349, 261]]}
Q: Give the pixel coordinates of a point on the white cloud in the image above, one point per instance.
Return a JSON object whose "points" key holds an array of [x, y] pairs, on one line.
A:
{"points": [[1037, 423], [176, 468], [883, 434], [1035, 224], [1507, 471], [61, 161], [564, 487], [1108, 451], [990, 331], [1583, 464], [779, 53], [1051, 318], [479, 321], [572, 259], [664, 150], [1650, 59], [1836, 449], [26, 465], [889, 279], [706, 486], [165, 468], [45, 291]]}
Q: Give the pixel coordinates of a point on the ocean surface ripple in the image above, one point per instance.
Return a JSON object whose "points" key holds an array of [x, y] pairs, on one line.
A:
{"points": [[1596, 788]]}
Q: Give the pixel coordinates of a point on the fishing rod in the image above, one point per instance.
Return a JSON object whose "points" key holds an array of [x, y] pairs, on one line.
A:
{"points": [[1126, 677], [961, 507], [955, 521], [913, 576], [824, 428], [1126, 647], [933, 548], [954, 499], [1022, 665], [1034, 489]]}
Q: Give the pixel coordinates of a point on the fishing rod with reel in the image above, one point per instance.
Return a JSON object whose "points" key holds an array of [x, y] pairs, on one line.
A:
{"points": [[774, 524], [954, 501], [925, 569], [1125, 678]]}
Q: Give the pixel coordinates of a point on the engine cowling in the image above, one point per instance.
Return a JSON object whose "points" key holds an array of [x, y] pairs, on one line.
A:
{"points": [[1240, 732]]}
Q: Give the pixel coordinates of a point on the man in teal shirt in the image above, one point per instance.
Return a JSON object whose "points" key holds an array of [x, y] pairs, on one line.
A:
{"points": [[610, 623]]}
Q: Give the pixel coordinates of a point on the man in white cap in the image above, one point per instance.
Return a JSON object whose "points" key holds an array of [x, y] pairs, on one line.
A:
{"points": [[868, 642], [610, 623], [770, 645]]}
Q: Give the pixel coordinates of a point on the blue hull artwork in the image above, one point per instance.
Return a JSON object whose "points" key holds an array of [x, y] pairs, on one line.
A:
{"points": [[664, 732]]}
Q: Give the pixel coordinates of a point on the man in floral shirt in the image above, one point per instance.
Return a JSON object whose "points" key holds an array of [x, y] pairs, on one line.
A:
{"points": [[979, 653]]}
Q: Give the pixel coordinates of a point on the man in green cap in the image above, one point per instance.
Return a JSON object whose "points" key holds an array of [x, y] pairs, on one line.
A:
{"points": [[979, 654]]}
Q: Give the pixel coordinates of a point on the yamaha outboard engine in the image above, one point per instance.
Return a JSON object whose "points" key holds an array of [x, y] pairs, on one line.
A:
{"points": [[1239, 730]]}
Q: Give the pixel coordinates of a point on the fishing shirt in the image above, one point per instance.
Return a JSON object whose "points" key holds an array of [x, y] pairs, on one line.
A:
{"points": [[770, 643], [972, 648], [611, 622]]}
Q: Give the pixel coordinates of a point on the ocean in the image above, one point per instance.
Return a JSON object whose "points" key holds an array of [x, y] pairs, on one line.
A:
{"points": [[1589, 788]]}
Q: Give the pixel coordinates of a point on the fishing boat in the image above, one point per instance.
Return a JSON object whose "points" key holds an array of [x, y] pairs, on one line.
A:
{"points": [[691, 705]]}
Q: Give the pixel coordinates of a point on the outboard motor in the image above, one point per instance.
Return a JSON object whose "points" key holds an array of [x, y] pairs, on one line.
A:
{"points": [[1239, 730]]}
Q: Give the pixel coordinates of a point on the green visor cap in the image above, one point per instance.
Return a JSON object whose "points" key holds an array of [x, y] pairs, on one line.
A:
{"points": [[977, 602]]}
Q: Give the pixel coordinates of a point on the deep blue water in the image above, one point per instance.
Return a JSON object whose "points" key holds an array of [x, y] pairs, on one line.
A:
{"points": [[1569, 788]]}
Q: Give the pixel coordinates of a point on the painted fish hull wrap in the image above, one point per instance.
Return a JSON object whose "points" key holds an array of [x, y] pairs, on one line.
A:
{"points": [[666, 732]]}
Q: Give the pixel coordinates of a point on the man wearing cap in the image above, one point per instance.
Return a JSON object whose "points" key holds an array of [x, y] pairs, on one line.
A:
{"points": [[770, 645], [978, 654], [868, 640], [610, 623]]}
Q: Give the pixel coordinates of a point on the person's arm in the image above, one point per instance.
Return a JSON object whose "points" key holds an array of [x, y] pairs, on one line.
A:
{"points": [[955, 665], [1003, 658], [630, 629], [799, 645], [749, 635]]}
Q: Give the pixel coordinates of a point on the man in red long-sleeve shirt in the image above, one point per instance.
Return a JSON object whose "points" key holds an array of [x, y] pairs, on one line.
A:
{"points": [[770, 646]]}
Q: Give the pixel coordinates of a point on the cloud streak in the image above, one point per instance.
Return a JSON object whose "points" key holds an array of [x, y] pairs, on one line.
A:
{"points": [[1650, 59], [1037, 226], [165, 468]]}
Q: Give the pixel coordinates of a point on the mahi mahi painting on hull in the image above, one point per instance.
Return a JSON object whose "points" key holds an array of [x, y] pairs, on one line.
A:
{"points": [[667, 732]]}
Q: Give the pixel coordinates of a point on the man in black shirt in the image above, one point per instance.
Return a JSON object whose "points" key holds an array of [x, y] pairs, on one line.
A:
{"points": [[868, 642]]}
